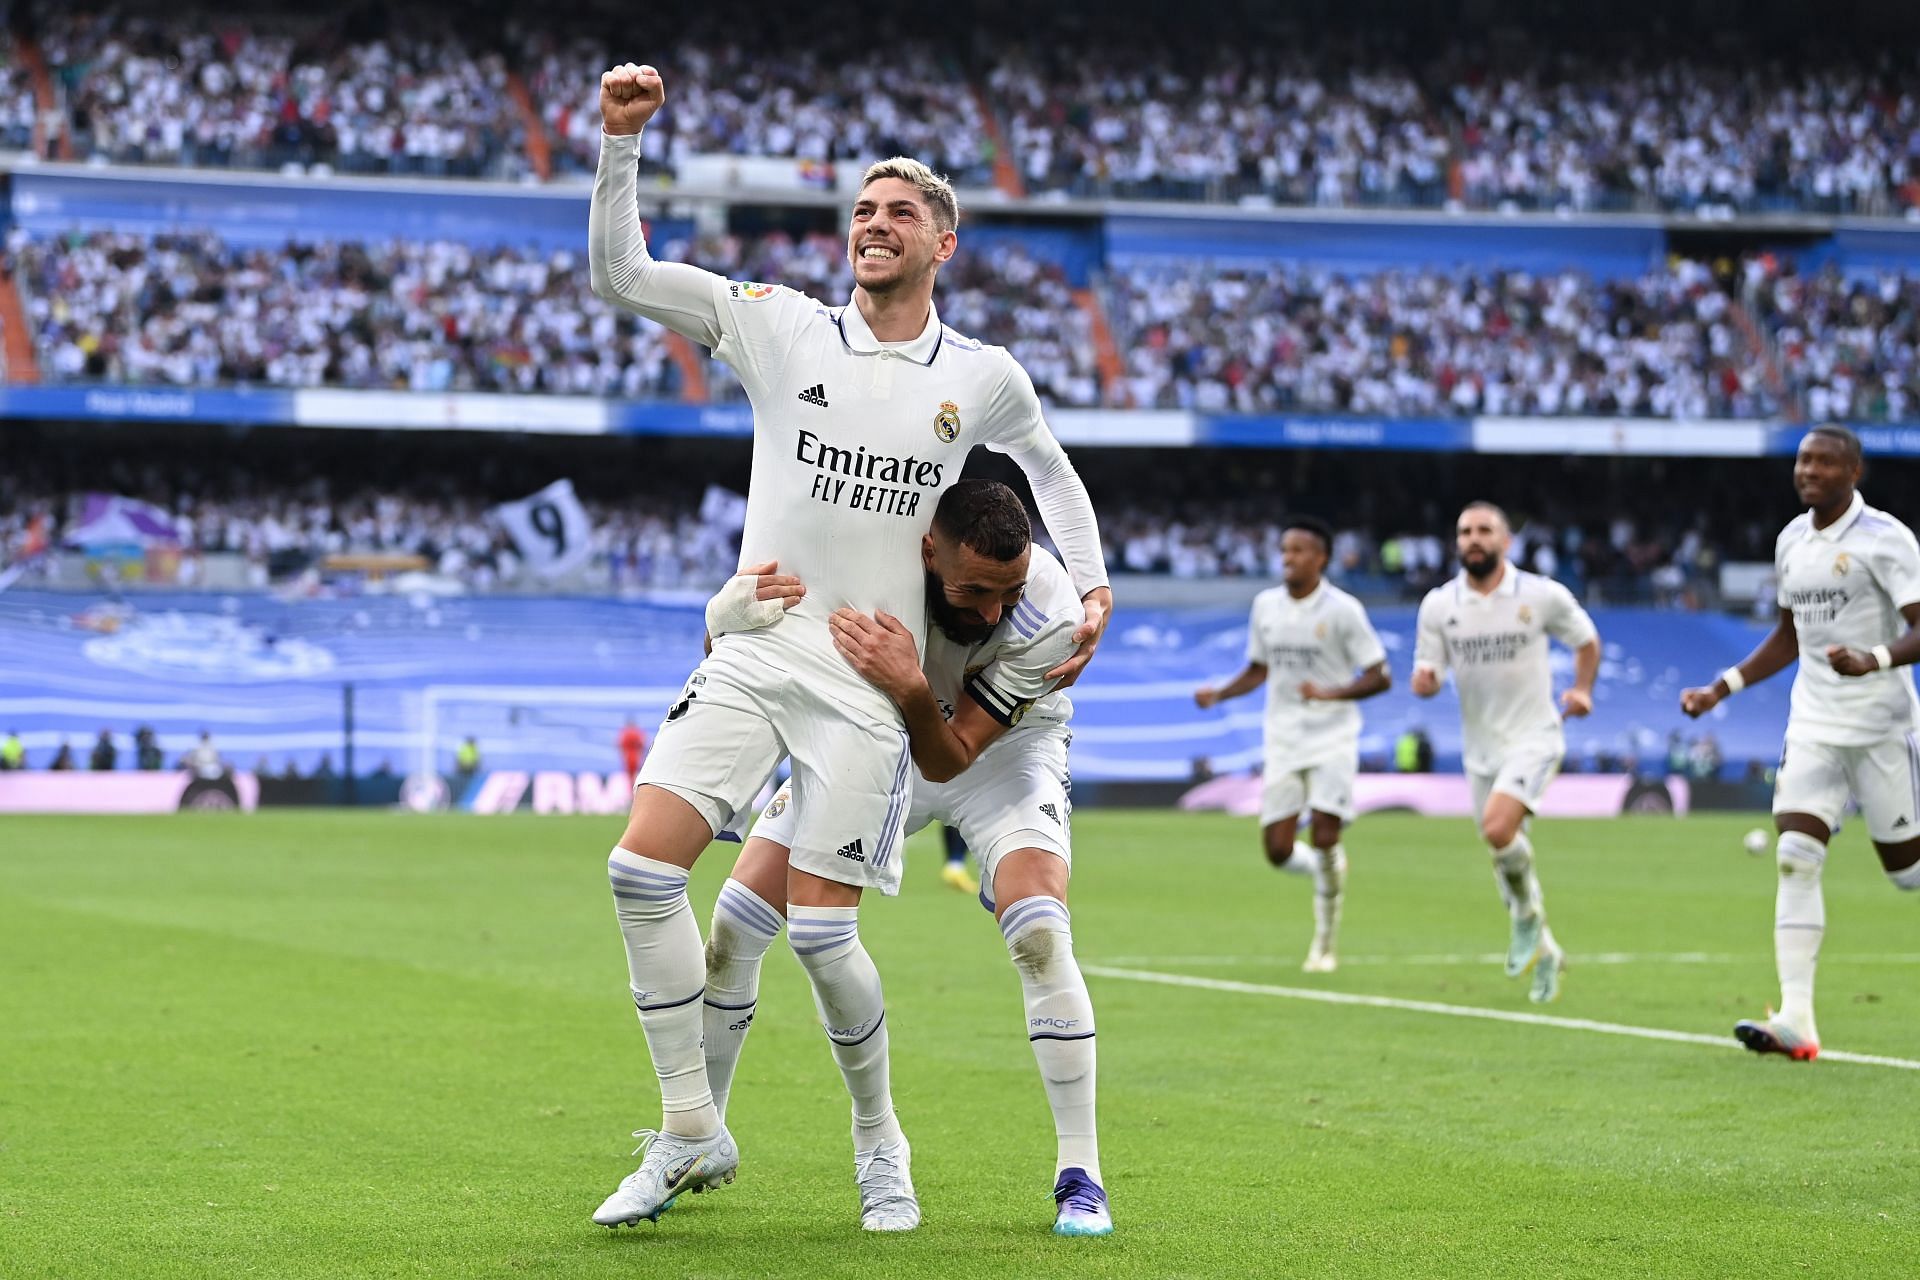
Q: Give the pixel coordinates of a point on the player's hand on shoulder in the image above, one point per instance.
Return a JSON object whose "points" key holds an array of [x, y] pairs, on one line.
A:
{"points": [[629, 95], [1851, 662], [1575, 703], [1699, 700], [1098, 607]]}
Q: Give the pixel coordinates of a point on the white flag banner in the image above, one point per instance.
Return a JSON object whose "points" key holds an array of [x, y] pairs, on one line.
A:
{"points": [[723, 508], [551, 529]]}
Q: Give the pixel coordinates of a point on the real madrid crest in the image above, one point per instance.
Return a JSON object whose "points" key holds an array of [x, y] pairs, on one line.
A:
{"points": [[946, 423], [1320, 631], [1842, 563], [779, 805], [1526, 613]]}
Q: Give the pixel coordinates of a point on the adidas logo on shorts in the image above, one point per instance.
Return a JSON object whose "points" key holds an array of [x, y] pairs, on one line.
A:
{"points": [[1051, 812], [851, 851], [816, 394]]}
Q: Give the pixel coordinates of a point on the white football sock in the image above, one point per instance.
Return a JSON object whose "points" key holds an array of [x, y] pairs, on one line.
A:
{"points": [[1303, 861], [744, 926], [853, 1012], [668, 974], [1039, 933], [1329, 891], [1799, 923], [1513, 875]]}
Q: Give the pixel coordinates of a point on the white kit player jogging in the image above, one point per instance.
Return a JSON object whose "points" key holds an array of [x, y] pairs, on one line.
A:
{"points": [[1312, 748], [1496, 647]]}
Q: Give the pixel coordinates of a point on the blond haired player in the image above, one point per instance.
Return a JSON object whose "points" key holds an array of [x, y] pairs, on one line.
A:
{"points": [[1850, 612], [864, 413]]}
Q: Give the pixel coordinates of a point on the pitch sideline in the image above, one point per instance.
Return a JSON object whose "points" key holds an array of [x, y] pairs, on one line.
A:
{"points": [[1465, 1011]]}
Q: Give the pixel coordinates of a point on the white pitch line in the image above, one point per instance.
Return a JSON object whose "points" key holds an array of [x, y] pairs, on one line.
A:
{"points": [[1499, 957], [1465, 1011]]}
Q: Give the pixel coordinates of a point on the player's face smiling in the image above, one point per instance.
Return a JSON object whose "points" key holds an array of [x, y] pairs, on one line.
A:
{"points": [[1823, 474], [892, 241], [1481, 539], [968, 593]]}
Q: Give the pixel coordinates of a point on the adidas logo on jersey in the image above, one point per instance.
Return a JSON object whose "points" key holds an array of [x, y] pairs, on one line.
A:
{"points": [[816, 394], [851, 851], [1051, 812]]}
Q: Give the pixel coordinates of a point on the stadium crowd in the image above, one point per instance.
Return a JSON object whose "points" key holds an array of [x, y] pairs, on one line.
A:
{"points": [[193, 310], [1119, 109], [1752, 338], [1646, 534]]}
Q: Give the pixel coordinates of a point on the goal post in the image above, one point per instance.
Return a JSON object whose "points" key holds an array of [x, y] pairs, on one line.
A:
{"points": [[555, 727]]}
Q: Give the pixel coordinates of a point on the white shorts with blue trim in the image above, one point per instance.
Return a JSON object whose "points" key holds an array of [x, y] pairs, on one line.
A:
{"points": [[852, 776], [1883, 778], [1017, 795]]}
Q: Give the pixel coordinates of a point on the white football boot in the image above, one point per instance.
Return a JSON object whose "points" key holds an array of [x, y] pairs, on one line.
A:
{"points": [[887, 1202], [672, 1166]]}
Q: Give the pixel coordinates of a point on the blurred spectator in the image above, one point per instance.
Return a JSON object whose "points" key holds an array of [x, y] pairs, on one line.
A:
{"points": [[105, 754], [146, 749], [13, 752], [63, 758], [204, 759]]}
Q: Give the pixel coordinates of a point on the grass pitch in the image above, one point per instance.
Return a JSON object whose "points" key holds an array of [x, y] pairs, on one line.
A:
{"points": [[337, 1044]]}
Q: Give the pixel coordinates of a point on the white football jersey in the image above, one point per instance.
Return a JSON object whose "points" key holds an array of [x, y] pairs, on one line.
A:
{"points": [[1324, 638], [1496, 647], [1007, 672], [1845, 585], [854, 439]]}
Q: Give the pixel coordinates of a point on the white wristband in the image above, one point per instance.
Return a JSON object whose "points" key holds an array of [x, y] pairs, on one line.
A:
{"points": [[1883, 656], [1734, 680]]}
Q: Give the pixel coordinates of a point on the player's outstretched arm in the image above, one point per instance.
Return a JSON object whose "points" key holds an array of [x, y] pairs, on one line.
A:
{"points": [[1769, 658], [683, 298], [1251, 677], [882, 650], [1903, 652]]}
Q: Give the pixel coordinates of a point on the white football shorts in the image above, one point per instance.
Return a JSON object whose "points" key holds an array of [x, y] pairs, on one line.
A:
{"points": [[852, 776], [1883, 778], [1017, 795]]}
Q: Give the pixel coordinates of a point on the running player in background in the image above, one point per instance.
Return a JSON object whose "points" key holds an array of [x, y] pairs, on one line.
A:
{"points": [[1305, 641], [1850, 612], [863, 414], [990, 737], [1489, 626]]}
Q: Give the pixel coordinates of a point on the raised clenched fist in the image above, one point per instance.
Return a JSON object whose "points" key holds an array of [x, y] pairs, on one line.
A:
{"points": [[629, 95]]}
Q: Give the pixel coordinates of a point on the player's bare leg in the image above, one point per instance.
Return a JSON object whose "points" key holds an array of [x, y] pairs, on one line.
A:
{"points": [[1330, 887], [824, 931], [1799, 925], [1530, 943], [1030, 902], [648, 873]]}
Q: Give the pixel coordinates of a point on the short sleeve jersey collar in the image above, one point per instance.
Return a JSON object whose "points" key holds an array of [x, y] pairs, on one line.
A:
{"points": [[859, 338]]}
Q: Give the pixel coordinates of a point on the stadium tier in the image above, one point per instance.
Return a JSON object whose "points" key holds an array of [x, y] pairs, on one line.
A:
{"points": [[1247, 107]]}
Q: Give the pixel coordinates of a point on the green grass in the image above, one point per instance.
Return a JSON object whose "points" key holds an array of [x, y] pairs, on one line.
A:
{"points": [[331, 1044]]}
